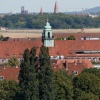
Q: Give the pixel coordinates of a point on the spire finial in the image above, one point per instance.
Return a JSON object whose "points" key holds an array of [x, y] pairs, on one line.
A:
{"points": [[47, 23]]}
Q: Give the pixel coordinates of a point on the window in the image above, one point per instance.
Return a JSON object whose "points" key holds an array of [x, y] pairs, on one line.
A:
{"points": [[43, 35], [3, 61], [48, 34], [94, 59], [1, 77], [75, 72]]}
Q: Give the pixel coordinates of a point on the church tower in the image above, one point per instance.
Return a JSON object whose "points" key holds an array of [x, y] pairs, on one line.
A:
{"points": [[56, 7], [41, 11], [47, 38]]}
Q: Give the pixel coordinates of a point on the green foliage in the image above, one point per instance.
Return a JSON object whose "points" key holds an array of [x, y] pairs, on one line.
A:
{"points": [[63, 86], [94, 71], [8, 90], [1, 38], [27, 77], [71, 37], [62, 38], [13, 62], [46, 76], [57, 21], [87, 83], [81, 95], [57, 38], [95, 62]]}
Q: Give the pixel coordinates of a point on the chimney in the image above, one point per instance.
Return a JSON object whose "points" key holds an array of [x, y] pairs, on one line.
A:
{"points": [[16, 66], [4, 67], [66, 65], [75, 62]]}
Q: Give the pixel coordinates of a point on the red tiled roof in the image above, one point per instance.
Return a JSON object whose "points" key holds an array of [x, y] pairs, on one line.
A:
{"points": [[9, 48], [80, 66], [73, 65], [68, 47], [10, 73], [61, 47], [78, 36]]}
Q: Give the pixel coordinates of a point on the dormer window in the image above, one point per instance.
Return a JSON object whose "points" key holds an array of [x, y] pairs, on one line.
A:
{"points": [[1, 77], [75, 72]]}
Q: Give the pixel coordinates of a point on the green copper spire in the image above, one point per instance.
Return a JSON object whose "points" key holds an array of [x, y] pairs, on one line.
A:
{"points": [[47, 25], [47, 37]]}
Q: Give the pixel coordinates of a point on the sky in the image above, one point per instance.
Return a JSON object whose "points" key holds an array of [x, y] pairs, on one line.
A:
{"points": [[7, 6]]}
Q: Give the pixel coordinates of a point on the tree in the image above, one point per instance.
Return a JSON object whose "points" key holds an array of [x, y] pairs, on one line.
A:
{"points": [[1, 37], [33, 76], [46, 76], [58, 21], [27, 77], [71, 37], [94, 71], [86, 83], [13, 62], [63, 86], [13, 89], [8, 89], [82, 95]]}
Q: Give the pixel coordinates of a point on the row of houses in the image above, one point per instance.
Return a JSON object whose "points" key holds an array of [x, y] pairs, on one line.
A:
{"points": [[72, 55]]}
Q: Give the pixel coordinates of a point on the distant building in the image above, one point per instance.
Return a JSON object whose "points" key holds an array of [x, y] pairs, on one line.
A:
{"points": [[93, 16], [56, 7], [3, 28], [23, 11], [41, 11]]}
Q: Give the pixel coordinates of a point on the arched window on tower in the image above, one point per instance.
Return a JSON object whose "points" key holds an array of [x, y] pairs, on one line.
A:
{"points": [[43, 35], [48, 34]]}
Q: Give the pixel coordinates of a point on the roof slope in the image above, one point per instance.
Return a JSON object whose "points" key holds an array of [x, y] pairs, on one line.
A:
{"points": [[9, 48], [10, 73], [68, 47], [61, 47]]}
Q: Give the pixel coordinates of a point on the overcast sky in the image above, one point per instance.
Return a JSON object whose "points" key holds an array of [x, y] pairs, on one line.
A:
{"points": [[47, 5]]}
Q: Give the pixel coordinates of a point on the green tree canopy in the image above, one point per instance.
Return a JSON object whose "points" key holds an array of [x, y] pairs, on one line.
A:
{"points": [[46, 76], [94, 71], [8, 89], [63, 86], [57, 21], [71, 37], [88, 83], [27, 77], [13, 62]]}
